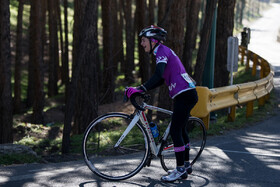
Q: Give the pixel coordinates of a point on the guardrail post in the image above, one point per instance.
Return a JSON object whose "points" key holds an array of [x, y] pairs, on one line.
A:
{"points": [[248, 60], [255, 62], [261, 101], [267, 96], [231, 115], [266, 68], [242, 55], [262, 69], [249, 108]]}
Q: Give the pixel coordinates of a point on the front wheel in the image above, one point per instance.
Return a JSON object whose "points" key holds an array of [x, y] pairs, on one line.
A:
{"points": [[104, 158], [197, 136]]}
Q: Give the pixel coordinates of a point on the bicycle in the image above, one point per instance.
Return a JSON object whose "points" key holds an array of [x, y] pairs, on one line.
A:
{"points": [[116, 146]]}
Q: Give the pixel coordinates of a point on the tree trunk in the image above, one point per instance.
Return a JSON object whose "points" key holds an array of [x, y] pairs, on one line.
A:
{"points": [[151, 12], [204, 40], [109, 66], [129, 35], [164, 100], [225, 24], [37, 57], [192, 19], [243, 3], [65, 57], [87, 88], [151, 21], [72, 85], [202, 14], [61, 46], [141, 22], [119, 48], [30, 86], [237, 12], [116, 50], [18, 62], [175, 25], [53, 49], [6, 106], [164, 12], [85, 68], [79, 7]]}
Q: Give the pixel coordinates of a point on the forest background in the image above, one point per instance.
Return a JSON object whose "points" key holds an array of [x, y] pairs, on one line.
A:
{"points": [[86, 51]]}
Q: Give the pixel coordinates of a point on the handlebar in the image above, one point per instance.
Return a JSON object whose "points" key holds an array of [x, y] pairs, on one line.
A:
{"points": [[137, 105]]}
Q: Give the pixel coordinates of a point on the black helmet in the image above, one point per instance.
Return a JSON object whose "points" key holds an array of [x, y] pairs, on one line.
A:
{"points": [[154, 32]]}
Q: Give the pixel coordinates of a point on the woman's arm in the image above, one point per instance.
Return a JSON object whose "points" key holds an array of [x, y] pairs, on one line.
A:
{"points": [[156, 80]]}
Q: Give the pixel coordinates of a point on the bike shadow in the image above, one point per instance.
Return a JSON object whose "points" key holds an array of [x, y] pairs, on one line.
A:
{"points": [[180, 183], [142, 181]]}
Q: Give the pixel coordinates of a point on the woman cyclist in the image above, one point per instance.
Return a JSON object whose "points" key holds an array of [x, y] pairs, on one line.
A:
{"points": [[169, 69]]}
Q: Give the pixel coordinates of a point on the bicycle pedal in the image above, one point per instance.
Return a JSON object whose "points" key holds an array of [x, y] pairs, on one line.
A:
{"points": [[185, 176], [189, 170]]}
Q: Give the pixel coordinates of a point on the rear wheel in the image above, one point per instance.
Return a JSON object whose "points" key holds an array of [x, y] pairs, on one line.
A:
{"points": [[108, 161], [197, 135]]}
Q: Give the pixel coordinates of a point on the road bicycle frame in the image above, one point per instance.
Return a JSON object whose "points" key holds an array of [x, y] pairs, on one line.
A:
{"points": [[142, 116]]}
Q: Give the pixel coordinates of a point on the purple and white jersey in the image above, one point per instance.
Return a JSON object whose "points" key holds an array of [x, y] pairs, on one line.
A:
{"points": [[175, 75]]}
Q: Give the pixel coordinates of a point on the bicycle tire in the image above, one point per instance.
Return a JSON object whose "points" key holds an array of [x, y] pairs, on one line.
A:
{"points": [[112, 163], [197, 135]]}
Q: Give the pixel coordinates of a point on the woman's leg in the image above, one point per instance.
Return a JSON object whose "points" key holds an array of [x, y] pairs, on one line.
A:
{"points": [[187, 142], [183, 104]]}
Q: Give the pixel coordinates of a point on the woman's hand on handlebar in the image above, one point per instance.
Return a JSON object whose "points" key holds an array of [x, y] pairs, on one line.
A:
{"points": [[131, 90], [132, 93]]}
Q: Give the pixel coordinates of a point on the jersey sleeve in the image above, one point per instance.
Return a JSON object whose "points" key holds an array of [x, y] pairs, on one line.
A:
{"points": [[157, 78]]}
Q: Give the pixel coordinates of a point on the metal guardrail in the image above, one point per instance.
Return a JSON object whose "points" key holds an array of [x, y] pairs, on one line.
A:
{"points": [[230, 96]]}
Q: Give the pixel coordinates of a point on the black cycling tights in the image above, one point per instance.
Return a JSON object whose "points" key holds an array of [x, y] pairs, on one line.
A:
{"points": [[183, 103]]}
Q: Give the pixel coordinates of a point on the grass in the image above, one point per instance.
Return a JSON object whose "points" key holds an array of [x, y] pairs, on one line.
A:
{"points": [[243, 76], [18, 159], [38, 137]]}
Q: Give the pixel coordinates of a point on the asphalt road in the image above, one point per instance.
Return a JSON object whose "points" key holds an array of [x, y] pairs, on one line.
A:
{"points": [[245, 157]]}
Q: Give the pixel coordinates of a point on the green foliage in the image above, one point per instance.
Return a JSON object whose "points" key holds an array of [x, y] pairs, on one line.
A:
{"points": [[36, 137], [76, 143], [243, 75], [18, 159]]}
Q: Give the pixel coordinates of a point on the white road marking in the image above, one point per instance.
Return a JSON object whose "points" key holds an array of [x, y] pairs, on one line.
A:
{"points": [[253, 152]]}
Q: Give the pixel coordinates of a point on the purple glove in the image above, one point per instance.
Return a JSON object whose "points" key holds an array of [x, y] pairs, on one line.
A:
{"points": [[131, 90]]}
